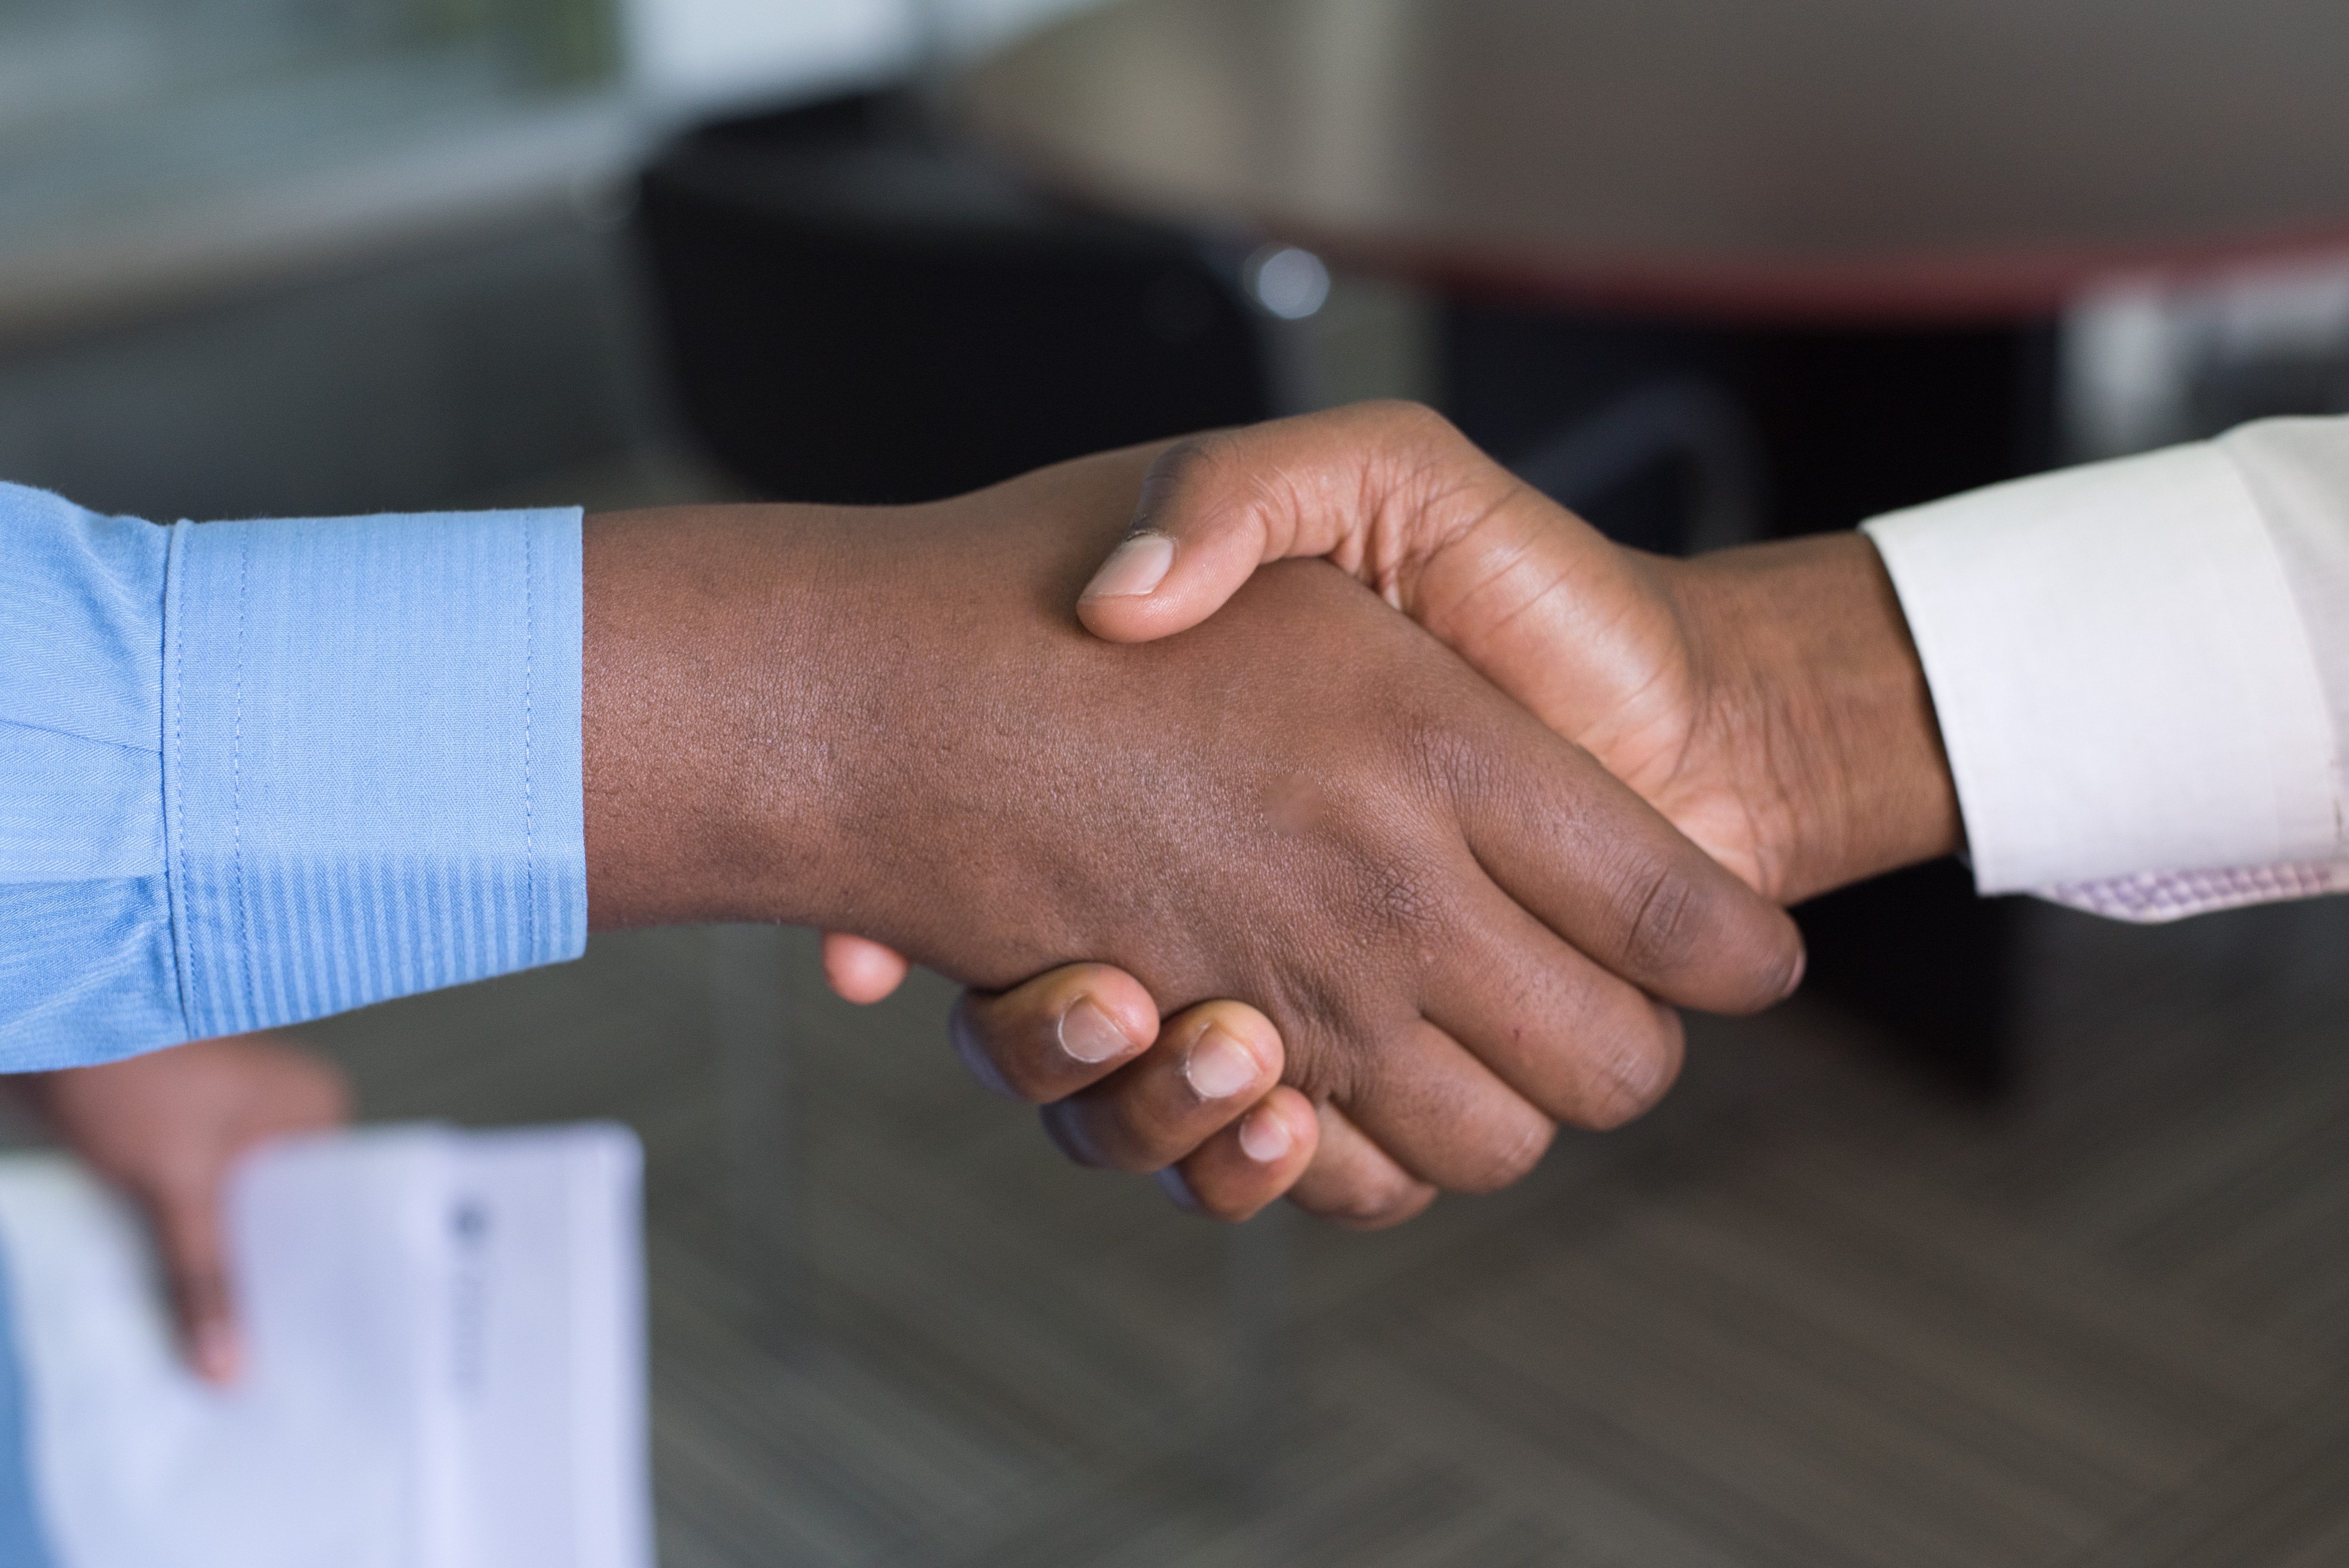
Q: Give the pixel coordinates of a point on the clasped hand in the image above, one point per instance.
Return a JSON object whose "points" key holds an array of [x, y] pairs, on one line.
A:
{"points": [[1334, 857]]}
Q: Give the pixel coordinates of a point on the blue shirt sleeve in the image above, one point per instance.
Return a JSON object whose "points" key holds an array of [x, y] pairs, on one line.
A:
{"points": [[24, 1544], [255, 772]]}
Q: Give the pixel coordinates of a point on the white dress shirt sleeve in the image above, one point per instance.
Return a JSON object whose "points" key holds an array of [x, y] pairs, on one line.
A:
{"points": [[2141, 671]]}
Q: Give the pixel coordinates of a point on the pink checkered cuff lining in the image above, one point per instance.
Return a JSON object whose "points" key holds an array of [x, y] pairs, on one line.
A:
{"points": [[2153, 896]]}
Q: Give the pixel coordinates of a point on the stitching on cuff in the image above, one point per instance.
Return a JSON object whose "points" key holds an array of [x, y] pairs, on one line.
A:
{"points": [[529, 831], [183, 940], [237, 781]]}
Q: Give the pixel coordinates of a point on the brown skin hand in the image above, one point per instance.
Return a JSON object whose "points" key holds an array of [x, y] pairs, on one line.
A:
{"points": [[890, 722], [1812, 707], [1767, 700]]}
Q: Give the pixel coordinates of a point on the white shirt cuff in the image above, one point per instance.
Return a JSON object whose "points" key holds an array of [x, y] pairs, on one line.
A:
{"points": [[2123, 683]]}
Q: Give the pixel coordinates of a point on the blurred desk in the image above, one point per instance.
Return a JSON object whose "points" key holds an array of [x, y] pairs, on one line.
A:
{"points": [[1856, 223], [1811, 160]]}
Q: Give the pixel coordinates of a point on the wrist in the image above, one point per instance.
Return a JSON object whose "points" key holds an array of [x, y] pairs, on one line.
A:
{"points": [[704, 772], [1815, 705]]}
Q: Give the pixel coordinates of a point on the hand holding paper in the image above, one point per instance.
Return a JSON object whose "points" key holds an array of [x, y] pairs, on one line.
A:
{"points": [[168, 1129], [445, 1361]]}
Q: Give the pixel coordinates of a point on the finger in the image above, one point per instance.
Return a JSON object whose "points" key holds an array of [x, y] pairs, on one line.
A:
{"points": [[1377, 487], [1444, 1116], [1583, 1045], [185, 1212], [1250, 1161], [306, 1093], [1211, 1063], [1353, 1182], [1051, 1036], [1600, 867], [859, 970]]}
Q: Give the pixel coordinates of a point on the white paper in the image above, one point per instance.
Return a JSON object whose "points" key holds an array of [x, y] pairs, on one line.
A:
{"points": [[445, 1363]]}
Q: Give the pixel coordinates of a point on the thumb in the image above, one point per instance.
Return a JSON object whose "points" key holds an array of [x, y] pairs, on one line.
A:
{"points": [[1377, 488], [185, 1210]]}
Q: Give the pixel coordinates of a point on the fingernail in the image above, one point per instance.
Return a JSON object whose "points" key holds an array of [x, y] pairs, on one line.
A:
{"points": [[1087, 1035], [1219, 1066], [1264, 1137], [214, 1352], [1133, 569], [1801, 964]]}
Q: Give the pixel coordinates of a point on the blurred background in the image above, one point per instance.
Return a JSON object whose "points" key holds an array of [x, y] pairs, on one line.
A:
{"points": [[2019, 1238]]}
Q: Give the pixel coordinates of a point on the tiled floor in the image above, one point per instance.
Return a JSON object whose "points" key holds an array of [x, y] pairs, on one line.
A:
{"points": [[1808, 1315]]}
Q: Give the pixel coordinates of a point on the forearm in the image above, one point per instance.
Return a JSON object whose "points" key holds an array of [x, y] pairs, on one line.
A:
{"points": [[783, 706], [688, 736], [1817, 702], [774, 729]]}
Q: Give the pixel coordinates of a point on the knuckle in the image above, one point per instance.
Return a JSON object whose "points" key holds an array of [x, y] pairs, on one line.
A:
{"points": [[1185, 455], [1400, 904], [1364, 1200], [1192, 464], [1773, 978], [1406, 420], [1631, 1080], [1328, 1051], [1454, 763], [1514, 1161], [1664, 922]]}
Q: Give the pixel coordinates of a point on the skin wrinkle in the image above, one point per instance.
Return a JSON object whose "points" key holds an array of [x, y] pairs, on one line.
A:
{"points": [[1444, 626], [1432, 500], [1352, 554], [1285, 523], [1726, 725], [1438, 1082], [1369, 1197], [1815, 715], [1275, 512], [1353, 1182], [1631, 1081], [1515, 1163], [1656, 935], [1571, 1084], [1765, 865], [1491, 636]]}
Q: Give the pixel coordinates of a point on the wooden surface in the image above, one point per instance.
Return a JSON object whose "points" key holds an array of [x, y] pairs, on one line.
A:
{"points": [[1821, 158]]}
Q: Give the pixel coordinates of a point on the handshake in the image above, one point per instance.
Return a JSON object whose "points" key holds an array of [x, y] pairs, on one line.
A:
{"points": [[1311, 808]]}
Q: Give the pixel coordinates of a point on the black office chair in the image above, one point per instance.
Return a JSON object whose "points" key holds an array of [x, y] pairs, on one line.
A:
{"points": [[860, 311]]}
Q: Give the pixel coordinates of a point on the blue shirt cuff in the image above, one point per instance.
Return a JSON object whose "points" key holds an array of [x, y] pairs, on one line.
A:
{"points": [[371, 758]]}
